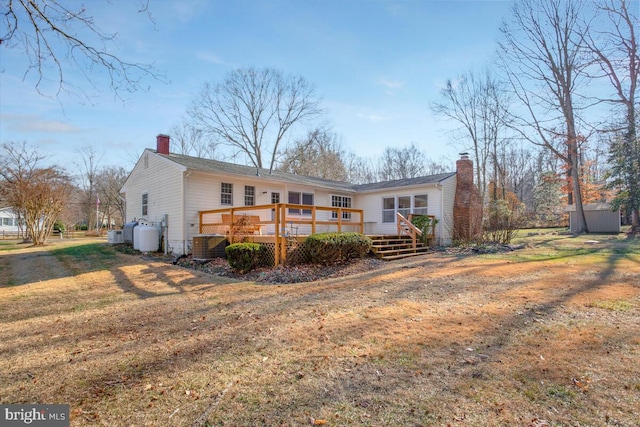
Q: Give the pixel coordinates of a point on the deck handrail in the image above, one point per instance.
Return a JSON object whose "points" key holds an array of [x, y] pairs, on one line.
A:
{"points": [[406, 227]]}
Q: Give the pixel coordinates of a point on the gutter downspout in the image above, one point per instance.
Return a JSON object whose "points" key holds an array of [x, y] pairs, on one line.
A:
{"points": [[185, 175], [441, 188], [125, 207]]}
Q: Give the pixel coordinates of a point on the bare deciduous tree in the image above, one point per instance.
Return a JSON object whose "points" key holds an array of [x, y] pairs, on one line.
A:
{"points": [[37, 194], [479, 105], [188, 140], [109, 181], [319, 154], [252, 111], [614, 45], [88, 172], [401, 163], [542, 56], [359, 170], [519, 177], [61, 36], [73, 214]]}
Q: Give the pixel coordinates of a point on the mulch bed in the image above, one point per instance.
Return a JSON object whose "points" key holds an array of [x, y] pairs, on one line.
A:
{"points": [[312, 272], [285, 273]]}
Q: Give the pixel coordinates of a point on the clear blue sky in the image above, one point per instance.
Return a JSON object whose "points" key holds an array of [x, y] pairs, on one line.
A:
{"points": [[376, 65]]}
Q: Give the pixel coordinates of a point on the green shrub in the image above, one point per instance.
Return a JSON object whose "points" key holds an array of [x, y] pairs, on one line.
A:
{"points": [[425, 224], [327, 248], [59, 226], [243, 257]]}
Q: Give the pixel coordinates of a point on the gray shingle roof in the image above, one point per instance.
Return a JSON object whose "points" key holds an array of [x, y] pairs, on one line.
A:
{"points": [[421, 180], [208, 165]]}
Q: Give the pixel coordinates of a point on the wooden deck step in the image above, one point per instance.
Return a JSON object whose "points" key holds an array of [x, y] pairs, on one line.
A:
{"points": [[396, 247]]}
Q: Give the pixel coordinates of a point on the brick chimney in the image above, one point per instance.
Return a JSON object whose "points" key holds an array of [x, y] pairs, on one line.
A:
{"points": [[467, 204], [162, 146], [464, 169]]}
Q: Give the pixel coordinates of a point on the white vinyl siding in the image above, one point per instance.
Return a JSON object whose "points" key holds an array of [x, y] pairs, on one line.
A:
{"points": [[444, 201], [379, 219], [162, 180]]}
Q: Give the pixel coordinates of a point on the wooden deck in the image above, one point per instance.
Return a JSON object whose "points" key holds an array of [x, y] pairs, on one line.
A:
{"points": [[282, 223]]}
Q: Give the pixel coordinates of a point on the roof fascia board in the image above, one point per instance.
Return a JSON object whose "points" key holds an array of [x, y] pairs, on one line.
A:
{"points": [[399, 187]]}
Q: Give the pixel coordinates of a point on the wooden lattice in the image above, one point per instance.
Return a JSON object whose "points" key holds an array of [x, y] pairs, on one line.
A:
{"points": [[268, 255], [295, 247], [297, 252]]}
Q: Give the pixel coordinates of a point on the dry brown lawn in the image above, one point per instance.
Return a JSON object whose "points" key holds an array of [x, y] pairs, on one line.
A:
{"points": [[544, 336]]}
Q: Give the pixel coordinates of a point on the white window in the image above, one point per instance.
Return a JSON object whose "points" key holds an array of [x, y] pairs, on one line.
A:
{"points": [[296, 198], [404, 206], [389, 209], [340, 202], [145, 204], [249, 195], [226, 194], [420, 204]]}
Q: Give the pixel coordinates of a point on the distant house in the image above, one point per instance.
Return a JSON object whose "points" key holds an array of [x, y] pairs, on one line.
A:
{"points": [[9, 223], [599, 216], [173, 189]]}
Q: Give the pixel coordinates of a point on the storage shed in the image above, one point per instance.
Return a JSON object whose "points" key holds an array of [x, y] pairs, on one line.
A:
{"points": [[600, 218]]}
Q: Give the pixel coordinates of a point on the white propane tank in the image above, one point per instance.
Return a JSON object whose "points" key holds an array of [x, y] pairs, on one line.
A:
{"points": [[136, 237], [148, 238]]}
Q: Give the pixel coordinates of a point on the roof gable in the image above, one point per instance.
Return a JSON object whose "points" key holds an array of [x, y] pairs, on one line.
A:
{"points": [[140, 164]]}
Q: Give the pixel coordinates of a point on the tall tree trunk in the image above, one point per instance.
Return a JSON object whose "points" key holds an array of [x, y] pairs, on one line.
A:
{"points": [[630, 142], [574, 164]]}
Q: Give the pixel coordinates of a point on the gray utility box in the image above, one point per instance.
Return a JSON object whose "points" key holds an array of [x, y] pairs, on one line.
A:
{"points": [[209, 246]]}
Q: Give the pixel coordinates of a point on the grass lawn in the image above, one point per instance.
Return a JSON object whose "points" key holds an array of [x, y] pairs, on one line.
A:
{"points": [[542, 336]]}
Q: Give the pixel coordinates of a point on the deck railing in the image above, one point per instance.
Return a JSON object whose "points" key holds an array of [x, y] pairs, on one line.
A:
{"points": [[406, 227], [279, 220]]}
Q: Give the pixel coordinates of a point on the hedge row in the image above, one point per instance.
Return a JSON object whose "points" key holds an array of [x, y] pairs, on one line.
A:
{"points": [[323, 248], [327, 248]]}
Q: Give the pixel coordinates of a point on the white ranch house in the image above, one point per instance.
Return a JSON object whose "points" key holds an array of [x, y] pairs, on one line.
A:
{"points": [[172, 190], [9, 224]]}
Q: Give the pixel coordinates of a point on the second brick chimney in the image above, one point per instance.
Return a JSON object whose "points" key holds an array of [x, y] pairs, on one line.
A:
{"points": [[162, 146]]}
